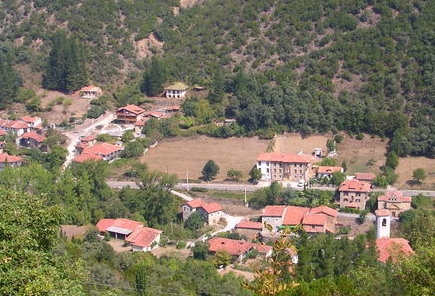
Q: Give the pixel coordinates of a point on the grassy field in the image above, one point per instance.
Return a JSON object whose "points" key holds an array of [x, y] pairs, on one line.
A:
{"points": [[362, 156], [409, 164], [182, 155], [294, 143]]}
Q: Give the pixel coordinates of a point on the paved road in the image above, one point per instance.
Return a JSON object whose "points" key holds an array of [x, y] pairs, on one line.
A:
{"points": [[369, 216], [82, 130], [249, 187]]}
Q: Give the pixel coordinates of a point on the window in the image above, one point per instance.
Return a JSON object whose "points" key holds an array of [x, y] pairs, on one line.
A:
{"points": [[267, 170], [267, 163], [274, 170], [296, 171], [384, 222], [300, 171], [358, 200], [345, 200]]}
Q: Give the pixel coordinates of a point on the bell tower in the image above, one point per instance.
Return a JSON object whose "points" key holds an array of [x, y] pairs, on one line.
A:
{"points": [[383, 220]]}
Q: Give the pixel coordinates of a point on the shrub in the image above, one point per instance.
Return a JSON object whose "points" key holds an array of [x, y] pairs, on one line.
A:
{"points": [[181, 245]]}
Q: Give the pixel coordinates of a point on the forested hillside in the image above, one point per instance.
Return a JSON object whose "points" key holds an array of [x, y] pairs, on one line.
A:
{"points": [[306, 66]]}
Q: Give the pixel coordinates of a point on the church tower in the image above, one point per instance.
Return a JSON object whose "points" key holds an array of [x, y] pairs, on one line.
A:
{"points": [[383, 220]]}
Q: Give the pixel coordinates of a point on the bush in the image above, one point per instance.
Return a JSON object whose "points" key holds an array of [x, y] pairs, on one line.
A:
{"points": [[359, 137], [338, 139], [181, 245]]}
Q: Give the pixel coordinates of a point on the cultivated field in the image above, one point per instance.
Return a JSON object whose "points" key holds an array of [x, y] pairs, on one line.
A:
{"points": [[182, 155], [294, 143], [362, 156], [408, 164]]}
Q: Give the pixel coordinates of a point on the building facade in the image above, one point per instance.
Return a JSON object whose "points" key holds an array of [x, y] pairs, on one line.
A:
{"points": [[283, 167], [129, 114], [395, 202], [177, 90], [354, 194]]}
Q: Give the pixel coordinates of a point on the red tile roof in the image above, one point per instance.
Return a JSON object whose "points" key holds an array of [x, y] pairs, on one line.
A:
{"points": [[87, 157], [155, 114], [382, 213], [283, 157], [103, 224], [6, 158], [354, 186], [3, 133], [13, 124], [88, 138], [314, 219], [388, 247], [195, 203], [34, 136], [325, 210], [365, 176], [352, 205], [102, 148], [273, 211], [293, 215], [233, 247], [394, 196], [132, 108], [211, 207], [246, 224], [143, 236], [140, 123], [264, 249], [30, 119], [329, 169], [90, 88]]}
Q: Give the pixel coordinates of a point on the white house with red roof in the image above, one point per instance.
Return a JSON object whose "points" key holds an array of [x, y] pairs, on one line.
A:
{"points": [[327, 171], [211, 212], [387, 247], [31, 139], [283, 166], [14, 127], [354, 194], [140, 238], [314, 220], [105, 150], [34, 122], [7, 160], [129, 114], [395, 202], [90, 92]]}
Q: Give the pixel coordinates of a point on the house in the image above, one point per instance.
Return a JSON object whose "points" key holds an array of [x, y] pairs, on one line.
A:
{"points": [[327, 171], [354, 194], [129, 114], [315, 220], [177, 90], [107, 151], [3, 133], [7, 160], [248, 228], [33, 122], [139, 237], [14, 127], [365, 177], [389, 247], [172, 109], [31, 140], [154, 114], [238, 249], [86, 157], [211, 212], [283, 166], [395, 202], [190, 207], [85, 142], [90, 92]]}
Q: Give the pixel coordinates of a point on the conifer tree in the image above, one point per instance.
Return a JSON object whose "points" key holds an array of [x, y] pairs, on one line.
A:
{"points": [[10, 81], [154, 78]]}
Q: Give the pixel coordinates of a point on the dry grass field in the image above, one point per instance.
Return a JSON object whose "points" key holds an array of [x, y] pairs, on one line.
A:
{"points": [[181, 155], [294, 143], [362, 156], [408, 164]]}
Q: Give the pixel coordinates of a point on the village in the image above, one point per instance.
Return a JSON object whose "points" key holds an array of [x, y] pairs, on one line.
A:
{"points": [[237, 240]]}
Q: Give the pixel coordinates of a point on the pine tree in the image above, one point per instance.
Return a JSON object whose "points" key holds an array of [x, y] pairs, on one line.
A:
{"points": [[10, 81], [154, 78], [218, 89]]}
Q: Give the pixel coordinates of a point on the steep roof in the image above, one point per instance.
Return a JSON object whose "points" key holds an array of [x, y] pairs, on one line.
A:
{"points": [[87, 157], [195, 203], [273, 211], [6, 158], [101, 148], [122, 223], [34, 136], [246, 224], [233, 247], [283, 157], [365, 176], [382, 213], [325, 210], [355, 186], [294, 215], [143, 236], [177, 86], [314, 219], [395, 196], [211, 207], [329, 169], [388, 247], [132, 108]]}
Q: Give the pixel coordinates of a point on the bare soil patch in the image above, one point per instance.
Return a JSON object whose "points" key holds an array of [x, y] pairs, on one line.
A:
{"points": [[362, 156], [118, 245], [189, 3], [408, 164], [355, 227], [145, 47], [249, 276], [181, 155], [71, 231], [294, 143], [171, 251]]}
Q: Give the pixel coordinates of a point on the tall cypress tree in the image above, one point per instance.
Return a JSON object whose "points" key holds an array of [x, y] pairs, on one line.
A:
{"points": [[10, 81], [154, 78]]}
